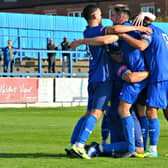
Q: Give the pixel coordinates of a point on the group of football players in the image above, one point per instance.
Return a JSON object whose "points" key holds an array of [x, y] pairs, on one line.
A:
{"points": [[128, 81]]}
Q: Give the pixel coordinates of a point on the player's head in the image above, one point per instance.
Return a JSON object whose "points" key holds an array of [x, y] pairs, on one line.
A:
{"points": [[92, 13], [143, 19], [146, 21], [120, 14]]}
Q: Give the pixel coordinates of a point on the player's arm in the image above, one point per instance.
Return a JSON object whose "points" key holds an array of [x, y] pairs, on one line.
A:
{"points": [[146, 38], [133, 77], [96, 41], [123, 29], [139, 44]]}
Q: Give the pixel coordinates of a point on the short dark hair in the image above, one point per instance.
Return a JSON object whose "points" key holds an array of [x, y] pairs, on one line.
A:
{"points": [[88, 11], [122, 9], [146, 21]]}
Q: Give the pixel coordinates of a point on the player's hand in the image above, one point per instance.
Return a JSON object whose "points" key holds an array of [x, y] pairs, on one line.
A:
{"points": [[144, 29], [139, 20]]}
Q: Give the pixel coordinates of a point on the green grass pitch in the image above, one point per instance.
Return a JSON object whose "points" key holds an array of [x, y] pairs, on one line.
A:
{"points": [[36, 137]]}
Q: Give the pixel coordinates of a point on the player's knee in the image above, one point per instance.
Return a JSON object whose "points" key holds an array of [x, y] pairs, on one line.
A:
{"points": [[141, 110], [123, 111], [152, 113], [97, 113]]}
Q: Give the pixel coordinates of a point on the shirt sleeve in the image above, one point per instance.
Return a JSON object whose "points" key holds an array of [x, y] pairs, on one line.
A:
{"points": [[146, 37], [102, 30], [121, 69]]}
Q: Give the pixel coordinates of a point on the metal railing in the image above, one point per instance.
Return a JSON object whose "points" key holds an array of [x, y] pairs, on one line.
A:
{"points": [[74, 55]]}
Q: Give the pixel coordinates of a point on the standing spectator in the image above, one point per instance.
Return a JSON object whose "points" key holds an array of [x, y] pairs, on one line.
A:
{"points": [[9, 59], [65, 56], [51, 56]]}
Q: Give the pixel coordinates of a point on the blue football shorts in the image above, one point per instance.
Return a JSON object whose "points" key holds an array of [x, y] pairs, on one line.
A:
{"points": [[99, 95], [129, 92], [157, 95]]}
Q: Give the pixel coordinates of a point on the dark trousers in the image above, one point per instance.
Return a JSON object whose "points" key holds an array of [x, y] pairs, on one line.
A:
{"points": [[9, 64], [51, 64]]}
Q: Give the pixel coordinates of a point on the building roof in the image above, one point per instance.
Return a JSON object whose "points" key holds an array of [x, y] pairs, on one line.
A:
{"points": [[34, 3]]}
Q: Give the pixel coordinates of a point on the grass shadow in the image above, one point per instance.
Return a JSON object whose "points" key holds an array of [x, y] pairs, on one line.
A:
{"points": [[32, 155]]}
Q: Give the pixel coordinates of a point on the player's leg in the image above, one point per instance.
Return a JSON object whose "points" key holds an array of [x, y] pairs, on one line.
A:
{"points": [[74, 135], [115, 125], [113, 148], [128, 96], [128, 124], [105, 129], [116, 130], [124, 144], [157, 97], [117, 139], [118, 144], [88, 126], [76, 130], [141, 111], [154, 131], [101, 97], [138, 136], [86, 129], [78, 125]]}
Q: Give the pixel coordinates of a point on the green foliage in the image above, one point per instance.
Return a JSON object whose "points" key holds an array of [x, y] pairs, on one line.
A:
{"points": [[161, 19], [36, 137]]}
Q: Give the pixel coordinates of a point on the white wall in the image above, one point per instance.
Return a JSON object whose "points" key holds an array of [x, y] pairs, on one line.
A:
{"points": [[71, 90], [46, 88]]}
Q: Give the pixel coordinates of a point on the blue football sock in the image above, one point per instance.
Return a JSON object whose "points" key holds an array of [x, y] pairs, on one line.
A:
{"points": [[138, 132], [105, 128], [76, 130], [154, 131], [115, 147], [128, 128], [86, 129], [144, 127]]}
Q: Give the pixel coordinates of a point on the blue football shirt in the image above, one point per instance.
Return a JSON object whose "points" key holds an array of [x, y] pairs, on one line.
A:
{"points": [[133, 57], [100, 66], [156, 55]]}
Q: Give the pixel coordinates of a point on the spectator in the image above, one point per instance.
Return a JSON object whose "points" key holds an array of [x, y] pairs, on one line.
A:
{"points": [[9, 55], [51, 56], [65, 56], [0, 59]]}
